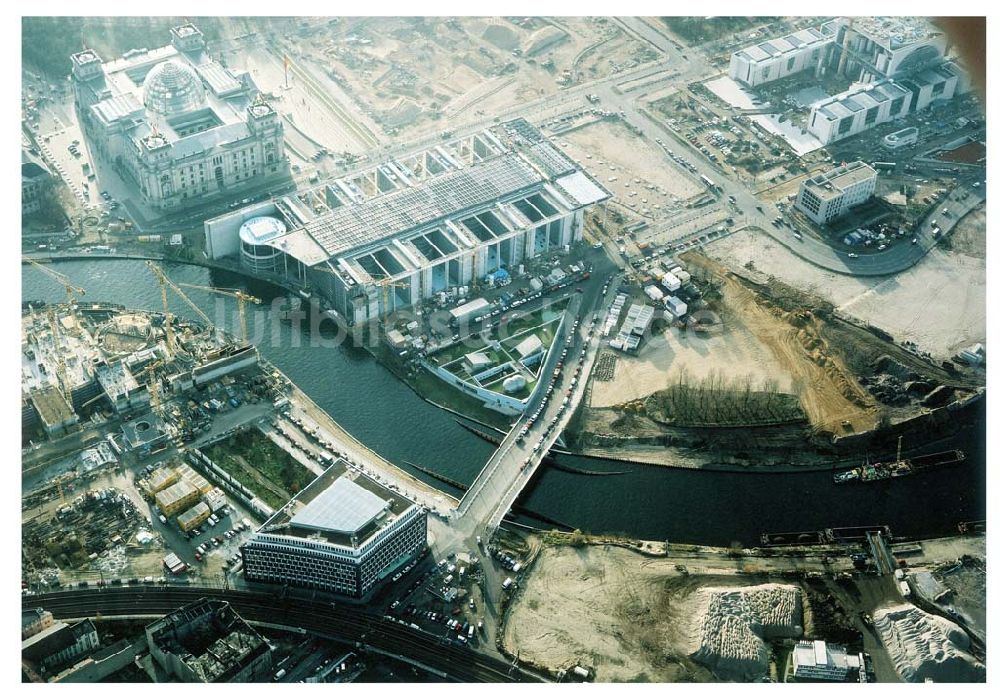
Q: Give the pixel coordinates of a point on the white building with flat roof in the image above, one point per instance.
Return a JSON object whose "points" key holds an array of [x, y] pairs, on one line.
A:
{"points": [[176, 123], [821, 661], [901, 138], [394, 234], [774, 59], [826, 196]]}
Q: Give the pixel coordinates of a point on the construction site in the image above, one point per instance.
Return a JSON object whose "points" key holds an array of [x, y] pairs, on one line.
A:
{"points": [[413, 74], [626, 611], [788, 360], [86, 367]]}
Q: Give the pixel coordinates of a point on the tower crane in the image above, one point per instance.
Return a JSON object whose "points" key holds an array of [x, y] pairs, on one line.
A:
{"points": [[240, 296], [70, 288], [385, 285], [154, 383], [165, 282]]}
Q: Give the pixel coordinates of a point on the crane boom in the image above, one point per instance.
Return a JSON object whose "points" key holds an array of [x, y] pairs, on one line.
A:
{"points": [[240, 296], [70, 288]]}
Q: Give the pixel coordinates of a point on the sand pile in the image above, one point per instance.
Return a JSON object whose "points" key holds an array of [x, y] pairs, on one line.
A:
{"points": [[924, 646], [735, 622]]}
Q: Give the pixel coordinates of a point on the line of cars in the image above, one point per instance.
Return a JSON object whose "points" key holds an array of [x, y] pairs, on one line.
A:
{"points": [[557, 376]]}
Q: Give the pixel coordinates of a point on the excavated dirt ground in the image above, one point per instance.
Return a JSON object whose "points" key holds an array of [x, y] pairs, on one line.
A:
{"points": [[829, 393]]}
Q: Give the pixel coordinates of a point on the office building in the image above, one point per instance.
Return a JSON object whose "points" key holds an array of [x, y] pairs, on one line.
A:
{"points": [[819, 661], [826, 196], [59, 644], [177, 124], [777, 58], [344, 533], [869, 49], [33, 621], [395, 233]]}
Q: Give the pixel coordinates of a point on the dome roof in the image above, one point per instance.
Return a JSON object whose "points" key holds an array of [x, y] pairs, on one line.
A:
{"points": [[172, 87]]}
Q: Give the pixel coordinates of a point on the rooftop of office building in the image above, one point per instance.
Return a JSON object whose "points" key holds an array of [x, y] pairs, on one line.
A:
{"points": [[832, 183], [341, 507]]}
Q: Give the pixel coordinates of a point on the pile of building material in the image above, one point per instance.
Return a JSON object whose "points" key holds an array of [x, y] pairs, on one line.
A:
{"points": [[735, 622], [924, 646]]}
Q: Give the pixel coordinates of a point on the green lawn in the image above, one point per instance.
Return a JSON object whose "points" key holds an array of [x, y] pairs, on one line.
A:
{"points": [[268, 460]]}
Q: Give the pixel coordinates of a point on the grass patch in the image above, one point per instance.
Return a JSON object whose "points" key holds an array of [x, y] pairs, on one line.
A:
{"points": [[266, 469]]}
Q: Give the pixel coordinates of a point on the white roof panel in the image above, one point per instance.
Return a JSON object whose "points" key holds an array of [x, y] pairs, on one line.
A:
{"points": [[579, 186], [344, 507]]}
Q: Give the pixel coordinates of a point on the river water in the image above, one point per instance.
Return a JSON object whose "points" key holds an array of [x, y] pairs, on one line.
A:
{"points": [[650, 502]]}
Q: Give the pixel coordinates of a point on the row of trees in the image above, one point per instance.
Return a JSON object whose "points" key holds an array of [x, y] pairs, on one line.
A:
{"points": [[720, 400]]}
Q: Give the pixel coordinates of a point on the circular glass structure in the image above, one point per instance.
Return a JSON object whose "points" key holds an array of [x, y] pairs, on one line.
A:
{"points": [[172, 87], [256, 253]]}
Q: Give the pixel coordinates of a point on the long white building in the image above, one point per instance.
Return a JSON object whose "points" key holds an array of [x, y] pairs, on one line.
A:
{"points": [[865, 106], [774, 59], [392, 235], [829, 195], [176, 123], [344, 533]]}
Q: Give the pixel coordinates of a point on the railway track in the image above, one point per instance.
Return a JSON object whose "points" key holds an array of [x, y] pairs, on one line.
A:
{"points": [[343, 623]]}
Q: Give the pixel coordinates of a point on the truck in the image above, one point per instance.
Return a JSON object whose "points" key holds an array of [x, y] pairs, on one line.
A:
{"points": [[507, 583], [280, 674]]}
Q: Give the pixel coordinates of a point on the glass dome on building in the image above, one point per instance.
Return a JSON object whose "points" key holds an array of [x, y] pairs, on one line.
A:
{"points": [[172, 87]]}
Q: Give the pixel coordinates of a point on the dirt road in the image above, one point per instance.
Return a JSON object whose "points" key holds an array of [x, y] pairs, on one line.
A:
{"points": [[829, 393]]}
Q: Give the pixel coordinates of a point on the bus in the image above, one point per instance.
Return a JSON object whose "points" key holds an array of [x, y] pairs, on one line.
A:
{"points": [[884, 166], [709, 183]]}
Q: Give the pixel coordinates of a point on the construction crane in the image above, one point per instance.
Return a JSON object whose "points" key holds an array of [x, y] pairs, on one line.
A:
{"points": [[385, 285], [70, 288], [240, 296], [154, 383], [165, 282]]}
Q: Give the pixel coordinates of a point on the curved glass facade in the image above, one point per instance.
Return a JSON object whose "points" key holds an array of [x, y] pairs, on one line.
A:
{"points": [[172, 87]]}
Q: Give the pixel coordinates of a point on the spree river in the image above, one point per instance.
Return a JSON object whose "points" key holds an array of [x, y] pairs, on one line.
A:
{"points": [[648, 502]]}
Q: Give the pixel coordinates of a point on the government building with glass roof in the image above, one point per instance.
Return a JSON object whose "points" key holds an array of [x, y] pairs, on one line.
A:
{"points": [[177, 124]]}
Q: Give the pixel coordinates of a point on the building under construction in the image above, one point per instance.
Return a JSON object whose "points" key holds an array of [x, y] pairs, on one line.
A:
{"points": [[898, 65], [399, 232], [76, 359]]}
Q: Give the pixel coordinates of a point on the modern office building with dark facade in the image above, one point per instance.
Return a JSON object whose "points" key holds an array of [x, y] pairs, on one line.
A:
{"points": [[344, 533]]}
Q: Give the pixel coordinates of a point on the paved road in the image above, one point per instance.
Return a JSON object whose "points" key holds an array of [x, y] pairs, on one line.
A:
{"points": [[896, 258]]}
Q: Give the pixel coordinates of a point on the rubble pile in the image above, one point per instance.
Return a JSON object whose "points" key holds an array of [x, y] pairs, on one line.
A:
{"points": [[924, 646], [736, 622]]}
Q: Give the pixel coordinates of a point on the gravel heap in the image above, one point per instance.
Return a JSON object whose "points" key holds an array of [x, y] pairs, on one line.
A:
{"points": [[922, 646], [735, 622]]}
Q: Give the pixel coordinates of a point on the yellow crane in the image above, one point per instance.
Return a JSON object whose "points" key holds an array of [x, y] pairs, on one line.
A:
{"points": [[70, 288], [240, 296], [154, 383], [165, 282], [385, 285]]}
